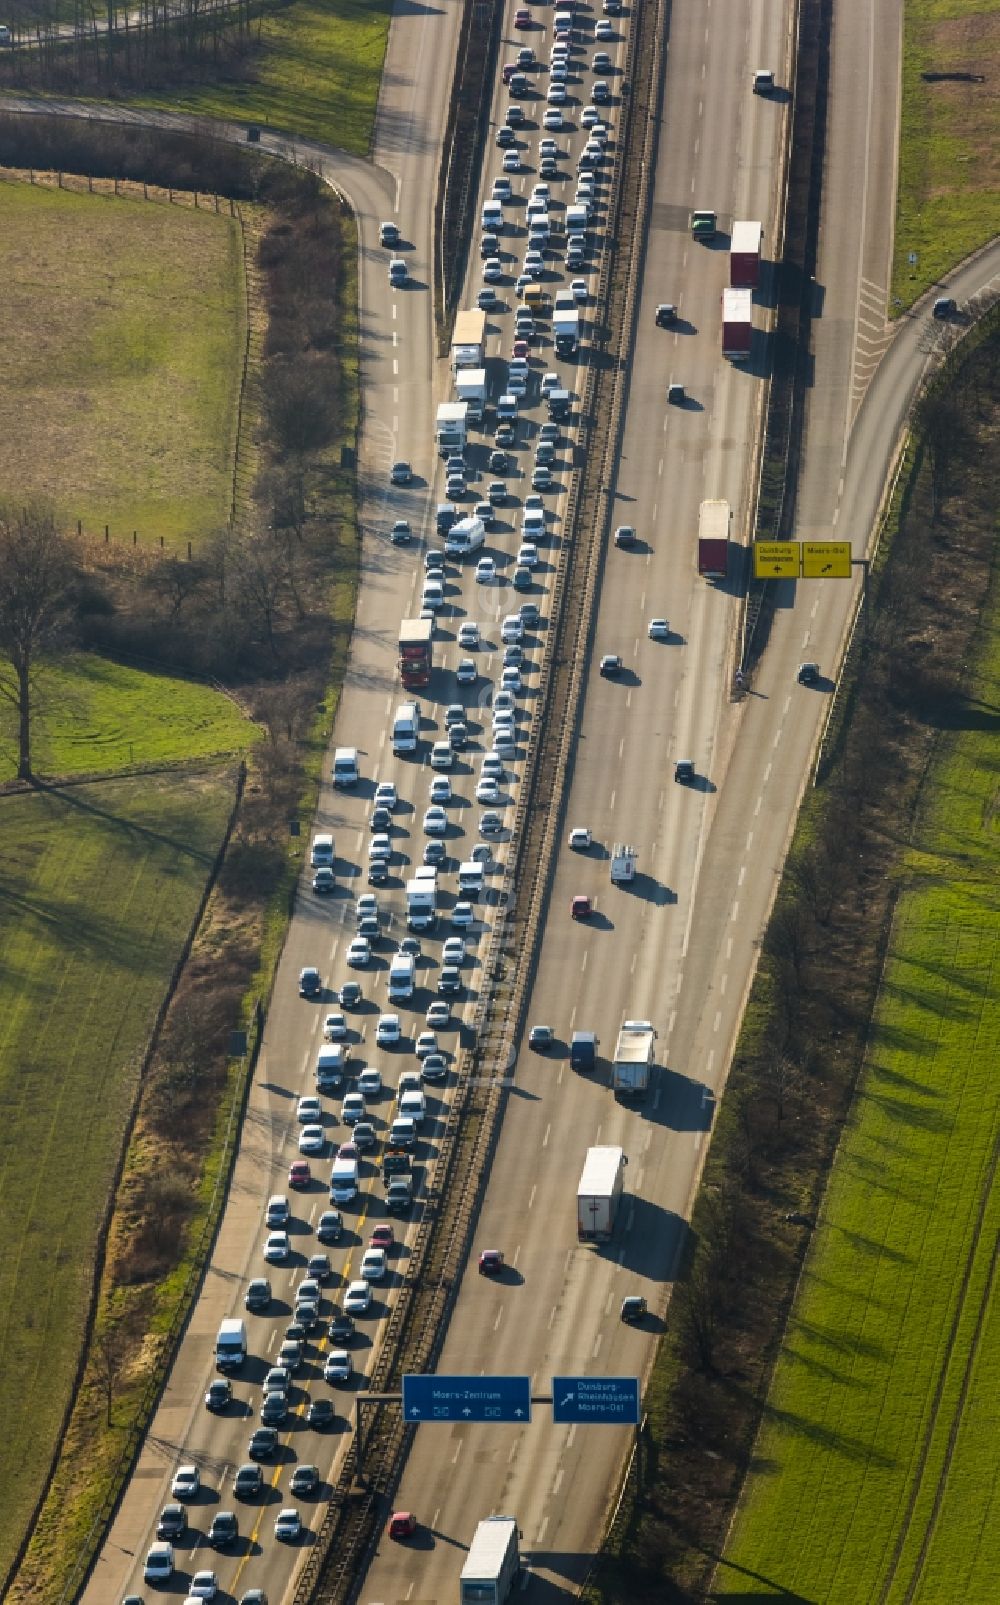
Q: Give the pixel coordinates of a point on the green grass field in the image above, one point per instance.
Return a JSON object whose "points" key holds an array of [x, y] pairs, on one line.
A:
{"points": [[123, 325], [98, 887], [317, 75], [876, 1467], [949, 179], [93, 715]]}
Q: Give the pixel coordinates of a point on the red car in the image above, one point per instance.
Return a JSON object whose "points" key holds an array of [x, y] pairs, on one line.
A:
{"points": [[522, 19], [580, 908], [490, 1262], [521, 348], [299, 1174], [382, 1237], [402, 1524], [509, 69]]}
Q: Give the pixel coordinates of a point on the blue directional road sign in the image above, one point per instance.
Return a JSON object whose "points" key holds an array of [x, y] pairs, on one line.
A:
{"points": [[458, 1398], [601, 1401]]}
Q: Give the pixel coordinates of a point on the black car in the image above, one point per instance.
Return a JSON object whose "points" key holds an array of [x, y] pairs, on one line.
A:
{"points": [[381, 818], [225, 1529], [666, 313], [633, 1308], [683, 771], [248, 1482], [808, 673], [330, 1227], [944, 307], [378, 874], [263, 1443], [341, 1327], [219, 1394], [364, 1136], [274, 1410], [172, 1523], [321, 1412], [541, 1037], [258, 1294], [310, 985], [305, 1480], [434, 1067]]}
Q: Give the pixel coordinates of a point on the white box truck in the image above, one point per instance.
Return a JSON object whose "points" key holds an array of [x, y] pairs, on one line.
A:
{"points": [[231, 1344], [421, 905], [345, 766], [599, 1192], [633, 1058], [566, 330], [451, 427], [493, 1563], [470, 386], [468, 341], [623, 861], [406, 728]]}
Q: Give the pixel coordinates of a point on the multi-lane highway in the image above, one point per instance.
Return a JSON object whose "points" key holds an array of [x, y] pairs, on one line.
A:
{"points": [[677, 947]]}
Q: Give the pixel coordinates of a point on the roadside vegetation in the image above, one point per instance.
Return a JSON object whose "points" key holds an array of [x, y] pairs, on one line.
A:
{"points": [[311, 68], [870, 1436], [264, 606], [140, 340], [948, 200]]}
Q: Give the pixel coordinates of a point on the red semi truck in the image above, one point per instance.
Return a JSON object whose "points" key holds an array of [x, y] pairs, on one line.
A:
{"points": [[744, 255], [737, 324], [415, 652], [713, 540]]}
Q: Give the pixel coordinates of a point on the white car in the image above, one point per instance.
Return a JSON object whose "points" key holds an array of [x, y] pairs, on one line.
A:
{"points": [[372, 1265], [308, 1111], [442, 756], [435, 821], [370, 1081], [486, 571], [380, 847], [491, 767], [468, 635], [492, 269], [466, 673], [462, 915], [359, 954], [385, 795], [366, 904], [187, 1479], [510, 679], [589, 116], [556, 94], [288, 1526], [337, 1366], [553, 120], [439, 1013], [548, 147], [159, 1567], [388, 1031], [540, 192], [203, 1585], [659, 630], [312, 1139], [501, 189], [426, 1043], [603, 29], [527, 555], [353, 1108], [275, 1251], [440, 790], [579, 289], [334, 1028], [357, 1299], [487, 791], [511, 161], [504, 702], [433, 594], [453, 951], [580, 839]]}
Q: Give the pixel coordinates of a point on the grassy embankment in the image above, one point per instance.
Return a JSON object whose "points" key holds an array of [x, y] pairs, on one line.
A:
{"points": [[949, 180], [316, 74], [123, 325], [122, 332]]}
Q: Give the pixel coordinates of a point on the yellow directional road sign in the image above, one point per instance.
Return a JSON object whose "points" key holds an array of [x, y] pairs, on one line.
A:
{"points": [[826, 560], [775, 560]]}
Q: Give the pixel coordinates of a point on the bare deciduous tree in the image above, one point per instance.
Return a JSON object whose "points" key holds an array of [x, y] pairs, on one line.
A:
{"points": [[37, 583]]}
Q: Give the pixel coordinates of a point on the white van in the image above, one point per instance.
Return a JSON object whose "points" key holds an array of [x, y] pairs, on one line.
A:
{"points": [[345, 766], [468, 535], [576, 219], [402, 977], [322, 850], [331, 1064], [471, 878], [406, 727], [492, 217]]}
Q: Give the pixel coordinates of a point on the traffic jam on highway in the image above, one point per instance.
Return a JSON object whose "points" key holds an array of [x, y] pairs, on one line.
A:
{"points": [[333, 1239]]}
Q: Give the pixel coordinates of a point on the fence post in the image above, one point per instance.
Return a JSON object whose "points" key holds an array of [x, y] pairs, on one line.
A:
{"points": [[79, 527], [107, 535], [135, 537]]}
